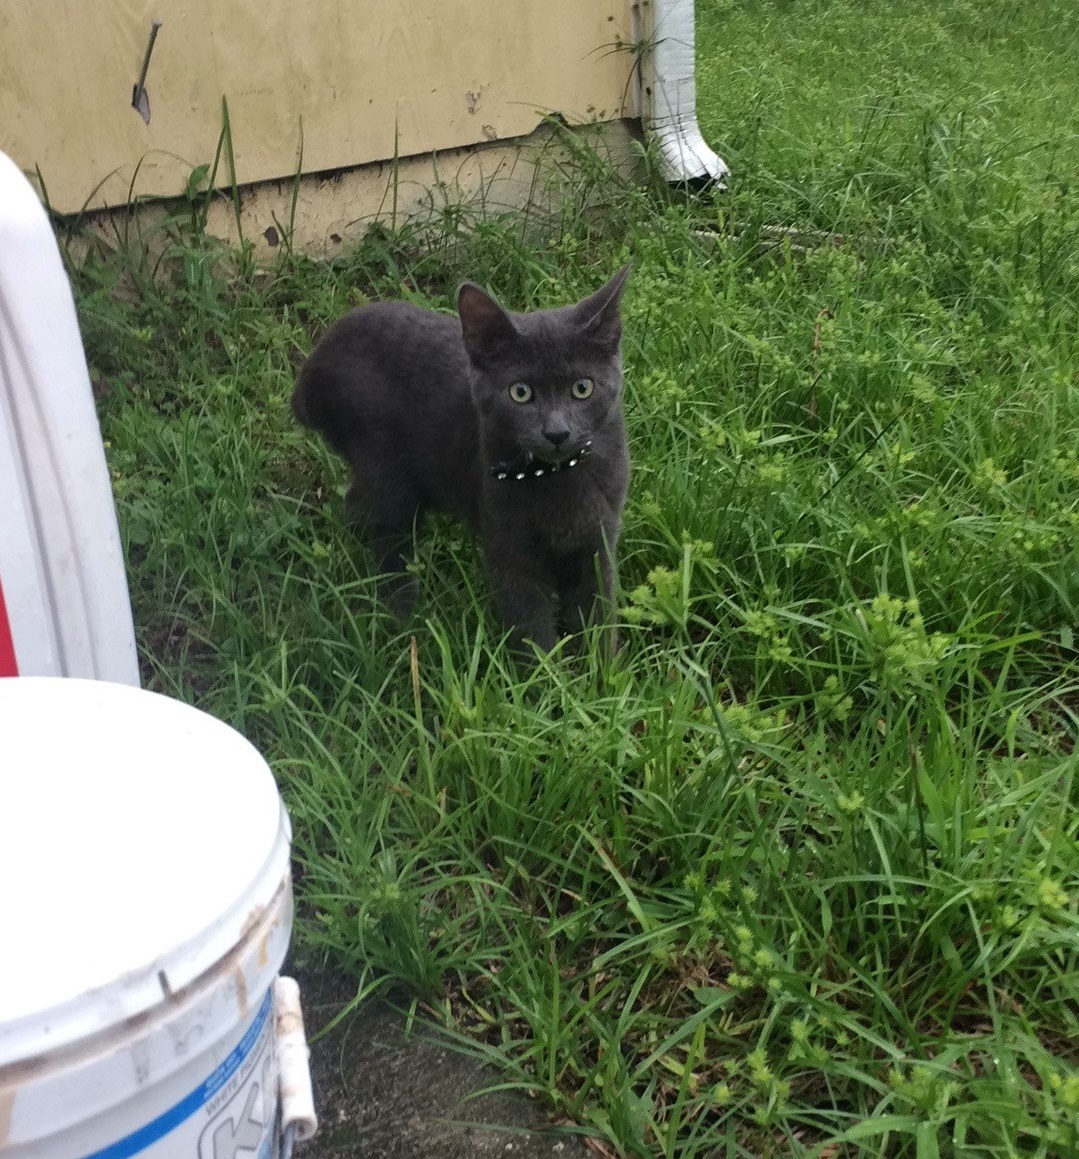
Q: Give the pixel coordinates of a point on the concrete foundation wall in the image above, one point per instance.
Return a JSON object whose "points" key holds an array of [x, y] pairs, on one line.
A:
{"points": [[323, 213]]}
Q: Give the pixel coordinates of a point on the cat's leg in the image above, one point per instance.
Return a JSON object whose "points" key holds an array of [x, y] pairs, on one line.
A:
{"points": [[587, 594], [387, 519], [524, 597]]}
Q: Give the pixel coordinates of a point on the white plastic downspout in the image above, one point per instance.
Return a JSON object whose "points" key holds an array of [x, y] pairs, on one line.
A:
{"points": [[669, 93]]}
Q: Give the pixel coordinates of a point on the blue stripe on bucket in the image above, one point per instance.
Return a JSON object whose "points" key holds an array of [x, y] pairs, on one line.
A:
{"points": [[149, 1134]]}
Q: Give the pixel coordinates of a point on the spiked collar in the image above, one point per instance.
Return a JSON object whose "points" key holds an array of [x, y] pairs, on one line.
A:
{"points": [[529, 467]]}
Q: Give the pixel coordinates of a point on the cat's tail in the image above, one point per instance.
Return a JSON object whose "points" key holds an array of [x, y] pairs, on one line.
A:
{"points": [[313, 396], [299, 400], [319, 403]]}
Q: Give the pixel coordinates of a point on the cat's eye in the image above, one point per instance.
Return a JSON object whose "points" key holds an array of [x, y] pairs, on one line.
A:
{"points": [[521, 392], [582, 388]]}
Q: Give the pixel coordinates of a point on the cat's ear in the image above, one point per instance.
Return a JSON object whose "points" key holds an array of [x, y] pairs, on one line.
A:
{"points": [[598, 315], [485, 327]]}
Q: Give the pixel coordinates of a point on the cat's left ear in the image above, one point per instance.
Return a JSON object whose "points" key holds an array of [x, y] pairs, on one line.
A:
{"points": [[598, 315]]}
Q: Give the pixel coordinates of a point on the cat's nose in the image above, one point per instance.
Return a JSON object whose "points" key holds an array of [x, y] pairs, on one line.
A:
{"points": [[556, 437]]}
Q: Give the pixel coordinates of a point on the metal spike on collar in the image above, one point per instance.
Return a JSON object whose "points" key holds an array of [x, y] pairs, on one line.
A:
{"points": [[502, 471]]}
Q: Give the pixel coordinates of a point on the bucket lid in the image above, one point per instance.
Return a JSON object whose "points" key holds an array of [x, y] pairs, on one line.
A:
{"points": [[139, 840]]}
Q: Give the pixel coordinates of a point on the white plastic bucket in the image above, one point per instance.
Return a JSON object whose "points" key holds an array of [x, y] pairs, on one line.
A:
{"points": [[64, 606], [145, 910]]}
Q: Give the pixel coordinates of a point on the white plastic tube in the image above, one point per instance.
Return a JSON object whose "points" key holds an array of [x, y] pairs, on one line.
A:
{"points": [[669, 94], [293, 1062]]}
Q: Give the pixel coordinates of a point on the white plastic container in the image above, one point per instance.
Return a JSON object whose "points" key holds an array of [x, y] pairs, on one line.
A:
{"points": [[64, 606], [145, 910]]}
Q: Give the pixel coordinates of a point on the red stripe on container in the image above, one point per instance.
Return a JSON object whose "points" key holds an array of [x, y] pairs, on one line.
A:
{"points": [[8, 664]]}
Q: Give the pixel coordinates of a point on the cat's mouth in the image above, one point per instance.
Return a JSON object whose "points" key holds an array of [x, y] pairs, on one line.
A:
{"points": [[531, 466]]}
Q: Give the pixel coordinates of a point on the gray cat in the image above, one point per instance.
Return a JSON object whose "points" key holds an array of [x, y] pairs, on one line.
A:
{"points": [[511, 423]]}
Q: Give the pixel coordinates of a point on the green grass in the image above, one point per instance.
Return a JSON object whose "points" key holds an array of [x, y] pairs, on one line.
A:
{"points": [[799, 875]]}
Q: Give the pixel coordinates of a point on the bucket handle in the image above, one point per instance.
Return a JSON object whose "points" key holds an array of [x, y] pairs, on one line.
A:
{"points": [[298, 1120]]}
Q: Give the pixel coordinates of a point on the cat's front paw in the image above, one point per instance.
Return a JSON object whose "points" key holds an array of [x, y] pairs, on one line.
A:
{"points": [[401, 594]]}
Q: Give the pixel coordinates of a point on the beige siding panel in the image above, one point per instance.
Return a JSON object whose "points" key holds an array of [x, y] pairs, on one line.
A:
{"points": [[367, 80]]}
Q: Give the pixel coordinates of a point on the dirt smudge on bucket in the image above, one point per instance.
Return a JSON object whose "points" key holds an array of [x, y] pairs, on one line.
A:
{"points": [[7, 1109], [239, 979]]}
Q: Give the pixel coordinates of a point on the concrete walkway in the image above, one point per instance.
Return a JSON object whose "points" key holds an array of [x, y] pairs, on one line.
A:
{"points": [[382, 1095]]}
